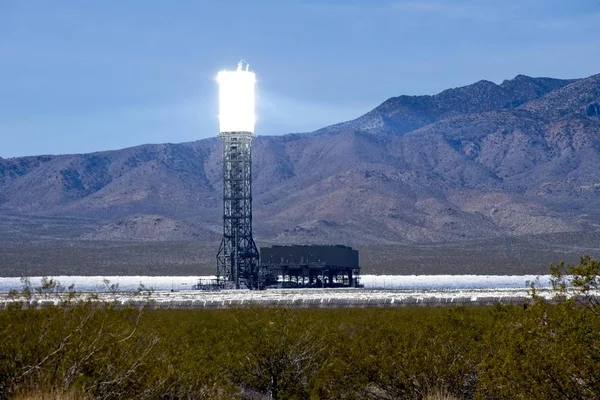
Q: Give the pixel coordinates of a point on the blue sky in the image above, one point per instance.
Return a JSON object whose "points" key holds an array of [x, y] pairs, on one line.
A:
{"points": [[80, 76]]}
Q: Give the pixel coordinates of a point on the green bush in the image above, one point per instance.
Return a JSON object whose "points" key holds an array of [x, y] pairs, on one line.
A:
{"points": [[548, 351], [538, 351]]}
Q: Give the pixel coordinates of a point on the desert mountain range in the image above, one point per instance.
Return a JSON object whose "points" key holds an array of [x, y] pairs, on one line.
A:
{"points": [[475, 162]]}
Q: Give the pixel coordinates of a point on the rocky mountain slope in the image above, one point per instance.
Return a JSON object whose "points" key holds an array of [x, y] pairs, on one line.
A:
{"points": [[479, 162]]}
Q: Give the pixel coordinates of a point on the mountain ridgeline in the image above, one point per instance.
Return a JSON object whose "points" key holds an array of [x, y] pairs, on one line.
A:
{"points": [[477, 162]]}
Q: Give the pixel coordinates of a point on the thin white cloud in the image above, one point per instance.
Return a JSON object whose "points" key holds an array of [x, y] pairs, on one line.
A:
{"points": [[465, 10]]}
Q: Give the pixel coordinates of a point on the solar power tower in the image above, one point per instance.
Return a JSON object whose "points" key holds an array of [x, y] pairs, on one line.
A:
{"points": [[238, 258]]}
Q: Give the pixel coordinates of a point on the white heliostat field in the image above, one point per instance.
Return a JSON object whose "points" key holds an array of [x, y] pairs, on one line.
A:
{"points": [[236, 100]]}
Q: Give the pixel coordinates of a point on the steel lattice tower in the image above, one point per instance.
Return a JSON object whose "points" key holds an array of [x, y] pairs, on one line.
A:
{"points": [[238, 257], [237, 260]]}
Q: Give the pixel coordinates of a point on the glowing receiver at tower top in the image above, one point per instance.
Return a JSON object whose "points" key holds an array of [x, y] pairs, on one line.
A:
{"points": [[236, 100]]}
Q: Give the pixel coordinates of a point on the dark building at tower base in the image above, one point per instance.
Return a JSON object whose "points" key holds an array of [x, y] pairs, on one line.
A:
{"points": [[310, 266]]}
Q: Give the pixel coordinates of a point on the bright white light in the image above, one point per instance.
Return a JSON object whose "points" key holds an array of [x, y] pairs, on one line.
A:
{"points": [[236, 100]]}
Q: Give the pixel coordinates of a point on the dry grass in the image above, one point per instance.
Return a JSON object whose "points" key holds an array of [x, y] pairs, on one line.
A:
{"points": [[40, 394], [439, 395]]}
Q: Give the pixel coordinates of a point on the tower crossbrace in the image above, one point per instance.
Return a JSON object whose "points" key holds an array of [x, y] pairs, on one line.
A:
{"points": [[238, 258]]}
